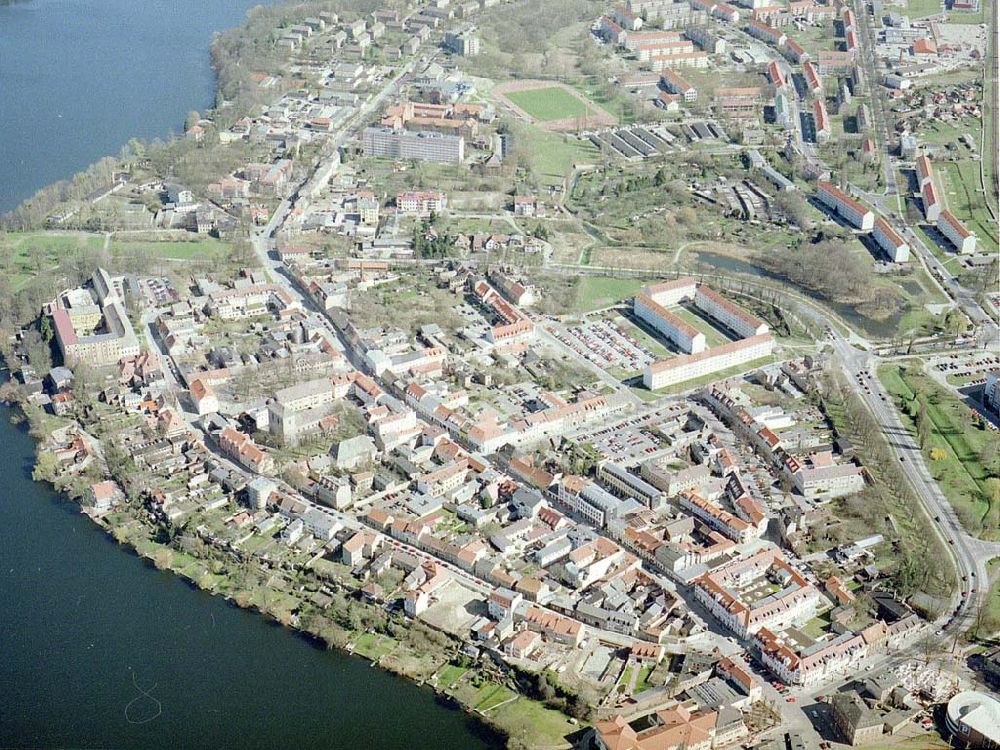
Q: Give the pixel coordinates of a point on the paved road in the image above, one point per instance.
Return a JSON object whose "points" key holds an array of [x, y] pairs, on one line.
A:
{"points": [[988, 149], [866, 40], [969, 554]]}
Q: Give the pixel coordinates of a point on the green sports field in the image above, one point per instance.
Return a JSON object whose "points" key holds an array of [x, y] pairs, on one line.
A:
{"points": [[549, 103]]}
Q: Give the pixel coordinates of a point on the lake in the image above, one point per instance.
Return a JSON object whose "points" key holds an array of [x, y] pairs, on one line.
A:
{"points": [[79, 78]]}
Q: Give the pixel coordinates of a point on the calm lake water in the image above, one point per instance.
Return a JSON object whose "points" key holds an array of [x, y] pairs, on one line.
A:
{"points": [[79, 78]]}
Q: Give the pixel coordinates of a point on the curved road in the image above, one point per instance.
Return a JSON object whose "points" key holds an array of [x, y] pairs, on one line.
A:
{"points": [[968, 553]]}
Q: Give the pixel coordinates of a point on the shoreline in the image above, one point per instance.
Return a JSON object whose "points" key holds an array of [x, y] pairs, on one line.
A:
{"points": [[164, 131], [493, 732]]}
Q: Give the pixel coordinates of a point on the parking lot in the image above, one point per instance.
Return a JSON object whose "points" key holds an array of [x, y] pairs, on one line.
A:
{"points": [[158, 291], [607, 345], [630, 440], [972, 367]]}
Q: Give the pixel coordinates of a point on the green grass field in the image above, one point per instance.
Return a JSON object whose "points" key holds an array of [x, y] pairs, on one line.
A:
{"points": [[449, 674], [625, 678], [647, 337], [549, 103], [549, 728], [202, 249], [923, 8], [597, 292], [553, 155], [490, 696], [713, 335], [964, 455], [642, 680], [933, 131], [967, 202], [967, 18], [990, 622], [24, 255], [374, 646]]}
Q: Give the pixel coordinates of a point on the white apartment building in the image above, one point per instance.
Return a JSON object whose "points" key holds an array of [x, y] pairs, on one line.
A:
{"points": [[671, 292], [625, 483], [854, 213], [932, 202], [718, 518], [956, 232], [891, 241], [925, 171], [422, 203], [299, 409], [732, 316], [760, 30], [721, 591], [676, 84], [696, 59], [688, 366], [688, 338], [820, 477]]}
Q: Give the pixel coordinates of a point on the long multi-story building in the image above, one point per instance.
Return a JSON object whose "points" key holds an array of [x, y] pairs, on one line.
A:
{"points": [[726, 12], [775, 75], [648, 50], [732, 316], [820, 477], [821, 120], [301, 409], [956, 232], [854, 213], [625, 483], [813, 80], [675, 481], [464, 43], [720, 519], [98, 334], [688, 366], [676, 84], [687, 338], [795, 663], [833, 62], [639, 39], [422, 145], [891, 241], [269, 179], [991, 392], [241, 448], [707, 40], [794, 51], [514, 328], [106, 347], [931, 200], [769, 34], [695, 59], [650, 306], [249, 301], [671, 292], [925, 170]]}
